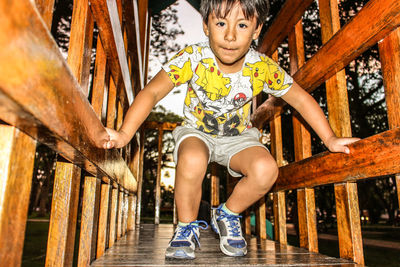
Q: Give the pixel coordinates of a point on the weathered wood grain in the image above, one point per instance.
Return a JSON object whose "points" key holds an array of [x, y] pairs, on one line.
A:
{"points": [[80, 43], [88, 232], [45, 100], [146, 247], [131, 213], [17, 154], [348, 222], [389, 52], [120, 210], [261, 225], [307, 219], [64, 213], [99, 80], [46, 8], [279, 208], [381, 16], [373, 156], [140, 175], [113, 218], [103, 219]]}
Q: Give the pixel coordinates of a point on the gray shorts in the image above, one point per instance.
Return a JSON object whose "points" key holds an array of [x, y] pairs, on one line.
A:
{"points": [[221, 148]]}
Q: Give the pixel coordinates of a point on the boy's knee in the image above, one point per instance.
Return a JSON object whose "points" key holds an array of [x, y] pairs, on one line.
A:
{"points": [[264, 172]]}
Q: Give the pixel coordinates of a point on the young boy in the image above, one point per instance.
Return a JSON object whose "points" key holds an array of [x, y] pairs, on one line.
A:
{"points": [[222, 76]]}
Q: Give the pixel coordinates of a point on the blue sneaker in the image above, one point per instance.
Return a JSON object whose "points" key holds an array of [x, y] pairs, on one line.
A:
{"points": [[183, 243], [227, 226]]}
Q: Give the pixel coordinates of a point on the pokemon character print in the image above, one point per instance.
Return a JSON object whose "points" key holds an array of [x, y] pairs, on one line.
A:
{"points": [[217, 103]]}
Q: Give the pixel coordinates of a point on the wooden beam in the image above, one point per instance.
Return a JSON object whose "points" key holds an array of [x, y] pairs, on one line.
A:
{"points": [[288, 16], [307, 219], [140, 175], [103, 219], [17, 154], [107, 19], [113, 218], [45, 101], [381, 16], [214, 185], [279, 207], [373, 156]]}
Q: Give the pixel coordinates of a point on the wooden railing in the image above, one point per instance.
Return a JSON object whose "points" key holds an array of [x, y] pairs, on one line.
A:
{"points": [[44, 98], [376, 22]]}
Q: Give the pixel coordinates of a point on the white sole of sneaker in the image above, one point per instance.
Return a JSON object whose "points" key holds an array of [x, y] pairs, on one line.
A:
{"points": [[180, 254]]}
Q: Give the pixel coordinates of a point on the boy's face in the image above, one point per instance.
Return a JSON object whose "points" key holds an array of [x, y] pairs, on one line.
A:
{"points": [[231, 37]]}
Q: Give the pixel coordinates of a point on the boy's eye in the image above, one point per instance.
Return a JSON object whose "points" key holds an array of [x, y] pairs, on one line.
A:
{"points": [[220, 24], [242, 26]]}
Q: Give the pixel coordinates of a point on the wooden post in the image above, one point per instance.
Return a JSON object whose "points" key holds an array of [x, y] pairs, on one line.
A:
{"points": [[140, 175], [80, 45], [214, 185], [99, 80], [348, 222], [111, 105], [389, 51], [261, 216], [113, 217], [349, 228], [131, 212], [280, 217], [119, 213], [279, 197], [17, 152], [302, 147], [103, 219], [89, 221], [158, 181], [64, 213]]}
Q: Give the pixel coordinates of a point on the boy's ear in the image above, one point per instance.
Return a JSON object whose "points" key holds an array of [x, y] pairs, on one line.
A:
{"points": [[205, 28], [257, 32]]}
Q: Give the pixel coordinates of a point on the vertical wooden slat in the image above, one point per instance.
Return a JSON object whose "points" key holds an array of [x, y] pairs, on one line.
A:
{"points": [[103, 220], [111, 104], [389, 51], [80, 45], [17, 154], [348, 222], [120, 115], [46, 8], [119, 213], [147, 48], [91, 197], [126, 207], [99, 80], [113, 217], [64, 213], [261, 226], [214, 185], [302, 148], [280, 217], [140, 175], [131, 213], [247, 222], [349, 228], [307, 219], [158, 181], [143, 14]]}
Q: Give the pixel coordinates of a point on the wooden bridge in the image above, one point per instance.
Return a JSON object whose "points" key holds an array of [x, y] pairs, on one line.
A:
{"points": [[45, 98]]}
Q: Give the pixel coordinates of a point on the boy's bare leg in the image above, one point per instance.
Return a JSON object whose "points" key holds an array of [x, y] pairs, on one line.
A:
{"points": [[260, 172], [190, 170]]}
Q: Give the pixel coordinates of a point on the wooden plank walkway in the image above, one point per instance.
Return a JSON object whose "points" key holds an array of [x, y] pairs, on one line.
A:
{"points": [[146, 247]]}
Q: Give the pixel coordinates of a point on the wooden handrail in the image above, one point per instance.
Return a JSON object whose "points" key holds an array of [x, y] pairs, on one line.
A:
{"points": [[39, 95], [381, 16], [377, 155]]}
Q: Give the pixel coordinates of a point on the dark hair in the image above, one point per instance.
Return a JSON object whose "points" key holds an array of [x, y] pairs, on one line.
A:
{"points": [[250, 8]]}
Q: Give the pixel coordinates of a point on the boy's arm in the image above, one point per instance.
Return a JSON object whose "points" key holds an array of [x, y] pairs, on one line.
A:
{"points": [[141, 107], [309, 109]]}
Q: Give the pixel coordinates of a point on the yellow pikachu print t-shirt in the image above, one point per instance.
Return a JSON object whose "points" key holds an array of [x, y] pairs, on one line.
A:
{"points": [[217, 103]]}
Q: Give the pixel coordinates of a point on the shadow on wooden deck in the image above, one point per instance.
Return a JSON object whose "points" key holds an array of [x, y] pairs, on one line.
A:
{"points": [[146, 247]]}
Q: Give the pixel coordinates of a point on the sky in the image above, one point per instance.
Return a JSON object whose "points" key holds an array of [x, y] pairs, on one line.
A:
{"points": [[191, 23]]}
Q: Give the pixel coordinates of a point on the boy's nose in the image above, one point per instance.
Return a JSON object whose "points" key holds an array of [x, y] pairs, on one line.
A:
{"points": [[230, 34]]}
